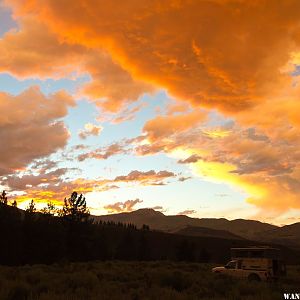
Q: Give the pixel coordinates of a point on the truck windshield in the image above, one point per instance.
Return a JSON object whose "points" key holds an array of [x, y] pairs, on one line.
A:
{"points": [[231, 265]]}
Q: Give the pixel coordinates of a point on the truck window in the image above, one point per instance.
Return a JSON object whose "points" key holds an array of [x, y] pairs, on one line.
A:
{"points": [[239, 264], [231, 265]]}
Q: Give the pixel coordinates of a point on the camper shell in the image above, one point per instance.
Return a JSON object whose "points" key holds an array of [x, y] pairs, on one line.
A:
{"points": [[254, 263]]}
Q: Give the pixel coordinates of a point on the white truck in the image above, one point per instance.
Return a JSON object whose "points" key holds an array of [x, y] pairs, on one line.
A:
{"points": [[254, 264]]}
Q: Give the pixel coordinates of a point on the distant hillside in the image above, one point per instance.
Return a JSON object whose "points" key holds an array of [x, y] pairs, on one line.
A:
{"points": [[207, 232], [288, 235], [236, 229], [248, 229]]}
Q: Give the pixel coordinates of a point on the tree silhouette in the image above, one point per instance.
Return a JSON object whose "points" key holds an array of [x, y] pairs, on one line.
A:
{"points": [[186, 251], [14, 204], [75, 208], [145, 227], [31, 207], [204, 255], [3, 198], [49, 210]]}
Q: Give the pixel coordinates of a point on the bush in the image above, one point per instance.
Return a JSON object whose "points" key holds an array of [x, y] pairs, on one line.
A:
{"points": [[133, 280], [19, 291]]}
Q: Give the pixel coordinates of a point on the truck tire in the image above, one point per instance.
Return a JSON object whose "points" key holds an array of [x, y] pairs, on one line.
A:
{"points": [[253, 277]]}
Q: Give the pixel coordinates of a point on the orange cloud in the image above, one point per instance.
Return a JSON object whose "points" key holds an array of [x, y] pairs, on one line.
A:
{"points": [[228, 64], [22, 183], [165, 126], [36, 51], [40, 195], [128, 114], [90, 129], [26, 118], [208, 52], [103, 153], [44, 185], [112, 86], [146, 178], [56, 190], [259, 163], [126, 206], [191, 159], [231, 56], [267, 170]]}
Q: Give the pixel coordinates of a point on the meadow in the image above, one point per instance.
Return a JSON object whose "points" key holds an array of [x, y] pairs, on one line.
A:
{"points": [[134, 280]]}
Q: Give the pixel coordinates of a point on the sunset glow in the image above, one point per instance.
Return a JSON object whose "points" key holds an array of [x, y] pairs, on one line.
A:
{"points": [[183, 106]]}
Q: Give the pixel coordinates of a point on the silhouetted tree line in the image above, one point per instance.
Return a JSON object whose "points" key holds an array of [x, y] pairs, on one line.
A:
{"points": [[70, 234]]}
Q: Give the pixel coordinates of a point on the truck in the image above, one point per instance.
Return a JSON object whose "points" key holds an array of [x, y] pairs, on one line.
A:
{"points": [[254, 263]]}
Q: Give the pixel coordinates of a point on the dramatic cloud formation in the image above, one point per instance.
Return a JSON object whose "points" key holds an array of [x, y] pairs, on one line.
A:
{"points": [[262, 167], [111, 85], [26, 119], [35, 51], [237, 59], [209, 52], [126, 206]]}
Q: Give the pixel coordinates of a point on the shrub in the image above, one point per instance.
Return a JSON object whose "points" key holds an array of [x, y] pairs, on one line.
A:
{"points": [[19, 291]]}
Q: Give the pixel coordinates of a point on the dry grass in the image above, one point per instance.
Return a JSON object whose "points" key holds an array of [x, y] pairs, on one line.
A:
{"points": [[134, 280]]}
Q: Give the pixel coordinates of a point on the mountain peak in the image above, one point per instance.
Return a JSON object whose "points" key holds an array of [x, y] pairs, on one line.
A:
{"points": [[148, 212]]}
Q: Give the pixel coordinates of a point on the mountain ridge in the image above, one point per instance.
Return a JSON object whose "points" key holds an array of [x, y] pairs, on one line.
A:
{"points": [[239, 228]]}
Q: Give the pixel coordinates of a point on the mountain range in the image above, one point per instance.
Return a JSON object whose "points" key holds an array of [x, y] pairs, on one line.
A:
{"points": [[288, 235]]}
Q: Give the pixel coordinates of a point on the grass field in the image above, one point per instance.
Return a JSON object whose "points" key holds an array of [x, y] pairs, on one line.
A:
{"points": [[134, 280]]}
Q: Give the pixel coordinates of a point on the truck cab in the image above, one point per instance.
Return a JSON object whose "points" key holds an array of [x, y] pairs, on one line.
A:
{"points": [[254, 263]]}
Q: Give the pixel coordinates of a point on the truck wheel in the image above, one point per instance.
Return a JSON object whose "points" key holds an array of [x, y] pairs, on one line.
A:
{"points": [[253, 277]]}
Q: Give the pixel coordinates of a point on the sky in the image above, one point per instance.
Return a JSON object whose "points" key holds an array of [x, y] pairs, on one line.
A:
{"points": [[187, 107]]}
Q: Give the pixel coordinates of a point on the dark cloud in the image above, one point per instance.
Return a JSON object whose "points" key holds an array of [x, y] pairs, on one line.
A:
{"points": [[182, 178], [191, 159]]}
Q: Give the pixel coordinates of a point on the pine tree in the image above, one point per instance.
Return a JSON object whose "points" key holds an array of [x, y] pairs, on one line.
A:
{"points": [[75, 208], [49, 210], [145, 227], [3, 198], [31, 207]]}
